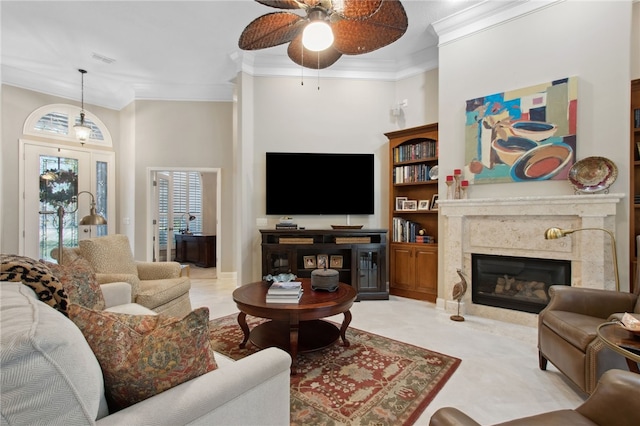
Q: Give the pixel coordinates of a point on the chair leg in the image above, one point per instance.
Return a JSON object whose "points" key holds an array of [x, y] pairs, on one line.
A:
{"points": [[542, 361]]}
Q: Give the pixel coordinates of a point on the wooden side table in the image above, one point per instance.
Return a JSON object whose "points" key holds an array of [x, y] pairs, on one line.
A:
{"points": [[621, 341]]}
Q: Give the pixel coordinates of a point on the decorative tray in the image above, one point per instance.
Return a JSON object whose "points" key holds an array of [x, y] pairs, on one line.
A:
{"points": [[593, 174], [630, 323], [346, 226]]}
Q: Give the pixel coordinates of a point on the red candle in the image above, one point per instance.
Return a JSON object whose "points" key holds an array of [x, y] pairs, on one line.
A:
{"points": [[457, 172], [465, 183], [450, 178]]}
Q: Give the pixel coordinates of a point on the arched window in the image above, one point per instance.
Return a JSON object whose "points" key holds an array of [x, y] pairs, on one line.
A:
{"points": [[56, 121]]}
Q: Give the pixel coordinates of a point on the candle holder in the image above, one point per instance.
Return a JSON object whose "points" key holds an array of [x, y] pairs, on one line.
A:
{"points": [[464, 186], [450, 188]]}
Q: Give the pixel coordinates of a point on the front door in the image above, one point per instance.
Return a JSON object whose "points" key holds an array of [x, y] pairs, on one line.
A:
{"points": [[58, 187]]}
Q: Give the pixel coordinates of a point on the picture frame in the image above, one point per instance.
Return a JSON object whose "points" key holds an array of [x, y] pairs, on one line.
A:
{"points": [[434, 202], [424, 204], [410, 205], [399, 201], [323, 261], [335, 261], [309, 262]]}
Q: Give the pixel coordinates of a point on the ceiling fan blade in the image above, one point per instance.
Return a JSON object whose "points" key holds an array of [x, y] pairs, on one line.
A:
{"points": [[356, 9], [310, 59], [355, 37], [270, 30], [282, 4]]}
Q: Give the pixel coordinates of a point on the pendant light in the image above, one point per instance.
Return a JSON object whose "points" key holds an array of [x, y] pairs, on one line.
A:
{"points": [[82, 130]]}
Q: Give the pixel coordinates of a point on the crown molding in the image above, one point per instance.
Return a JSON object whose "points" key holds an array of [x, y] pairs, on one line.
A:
{"points": [[484, 15], [108, 97]]}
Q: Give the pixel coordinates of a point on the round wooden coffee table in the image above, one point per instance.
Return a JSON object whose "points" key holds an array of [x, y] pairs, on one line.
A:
{"points": [[294, 327]]}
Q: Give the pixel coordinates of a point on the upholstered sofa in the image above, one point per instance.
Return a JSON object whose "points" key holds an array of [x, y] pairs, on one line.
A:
{"points": [[614, 402], [49, 374], [158, 286]]}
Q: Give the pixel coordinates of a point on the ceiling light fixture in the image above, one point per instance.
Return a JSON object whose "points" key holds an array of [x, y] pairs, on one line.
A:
{"points": [[82, 130], [317, 35]]}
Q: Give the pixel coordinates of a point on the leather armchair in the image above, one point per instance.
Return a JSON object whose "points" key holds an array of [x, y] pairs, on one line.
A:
{"points": [[158, 286], [613, 402], [567, 332]]}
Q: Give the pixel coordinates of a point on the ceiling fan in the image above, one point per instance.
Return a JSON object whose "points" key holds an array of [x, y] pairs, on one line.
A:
{"points": [[357, 27]]}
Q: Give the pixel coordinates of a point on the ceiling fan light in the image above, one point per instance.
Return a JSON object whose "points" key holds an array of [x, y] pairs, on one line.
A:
{"points": [[317, 36]]}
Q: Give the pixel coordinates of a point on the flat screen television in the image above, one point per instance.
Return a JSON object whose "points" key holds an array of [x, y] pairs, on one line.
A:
{"points": [[319, 184]]}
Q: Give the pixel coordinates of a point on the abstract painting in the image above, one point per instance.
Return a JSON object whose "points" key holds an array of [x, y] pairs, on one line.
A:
{"points": [[522, 135]]}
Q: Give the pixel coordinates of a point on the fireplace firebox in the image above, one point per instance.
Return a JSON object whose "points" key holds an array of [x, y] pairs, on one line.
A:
{"points": [[518, 283]]}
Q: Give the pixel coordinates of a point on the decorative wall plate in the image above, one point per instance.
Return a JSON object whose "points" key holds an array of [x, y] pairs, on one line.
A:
{"points": [[433, 173], [593, 174]]}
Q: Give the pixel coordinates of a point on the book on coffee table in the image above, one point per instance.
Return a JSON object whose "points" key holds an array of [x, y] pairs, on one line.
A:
{"points": [[284, 292], [284, 298], [285, 288]]}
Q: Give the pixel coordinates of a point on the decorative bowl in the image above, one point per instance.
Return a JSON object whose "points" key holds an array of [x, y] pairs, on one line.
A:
{"points": [[593, 174], [282, 278], [536, 130], [513, 148], [542, 162]]}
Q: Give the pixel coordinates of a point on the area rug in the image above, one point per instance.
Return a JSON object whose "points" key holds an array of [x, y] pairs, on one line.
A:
{"points": [[374, 381]]}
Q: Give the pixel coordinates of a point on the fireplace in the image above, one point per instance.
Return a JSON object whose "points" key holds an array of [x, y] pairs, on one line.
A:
{"points": [[519, 283], [515, 227]]}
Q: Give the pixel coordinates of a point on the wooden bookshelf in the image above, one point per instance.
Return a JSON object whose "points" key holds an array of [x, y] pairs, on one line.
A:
{"points": [[634, 190], [413, 258]]}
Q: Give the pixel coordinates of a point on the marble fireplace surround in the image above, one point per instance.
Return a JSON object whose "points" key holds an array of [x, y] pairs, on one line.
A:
{"points": [[515, 227]]}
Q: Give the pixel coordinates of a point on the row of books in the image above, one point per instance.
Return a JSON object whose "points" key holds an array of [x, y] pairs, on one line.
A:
{"points": [[412, 173], [428, 148], [406, 231], [284, 292], [636, 118]]}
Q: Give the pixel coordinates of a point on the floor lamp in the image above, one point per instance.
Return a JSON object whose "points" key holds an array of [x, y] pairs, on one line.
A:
{"points": [[93, 218], [555, 233]]}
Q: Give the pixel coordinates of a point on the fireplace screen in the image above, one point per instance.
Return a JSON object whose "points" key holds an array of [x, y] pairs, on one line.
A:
{"points": [[518, 283]]}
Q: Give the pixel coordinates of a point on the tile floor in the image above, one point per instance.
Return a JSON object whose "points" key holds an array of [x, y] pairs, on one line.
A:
{"points": [[498, 378]]}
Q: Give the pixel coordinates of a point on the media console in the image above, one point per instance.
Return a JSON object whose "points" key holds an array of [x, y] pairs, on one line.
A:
{"points": [[359, 256]]}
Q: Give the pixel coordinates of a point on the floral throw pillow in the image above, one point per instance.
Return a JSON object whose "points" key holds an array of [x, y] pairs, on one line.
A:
{"points": [[37, 276], [143, 355], [79, 283]]}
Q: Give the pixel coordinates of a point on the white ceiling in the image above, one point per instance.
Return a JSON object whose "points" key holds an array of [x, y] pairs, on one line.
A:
{"points": [[180, 50]]}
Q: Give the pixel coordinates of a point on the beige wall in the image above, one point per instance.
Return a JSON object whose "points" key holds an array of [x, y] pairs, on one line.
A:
{"points": [[351, 116], [17, 105], [589, 40], [635, 41], [182, 134]]}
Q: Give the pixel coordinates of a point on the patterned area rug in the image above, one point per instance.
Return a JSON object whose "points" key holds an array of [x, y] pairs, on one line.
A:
{"points": [[374, 381]]}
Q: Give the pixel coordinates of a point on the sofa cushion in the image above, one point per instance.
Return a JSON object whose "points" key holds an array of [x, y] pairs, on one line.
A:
{"points": [[79, 283], [577, 329], [110, 254], [143, 355], [49, 373], [37, 276]]}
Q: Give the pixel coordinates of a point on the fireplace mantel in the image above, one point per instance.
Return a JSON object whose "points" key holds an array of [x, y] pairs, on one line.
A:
{"points": [[515, 227]]}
